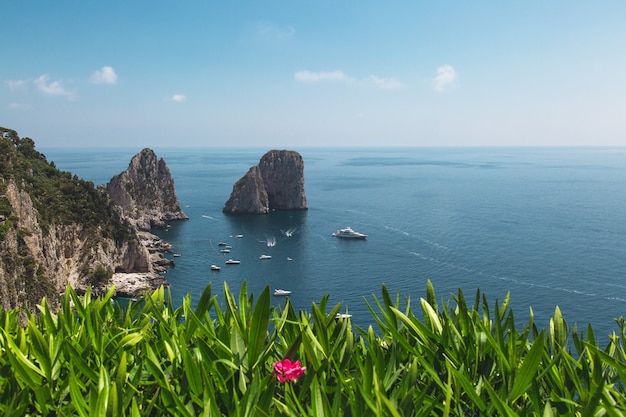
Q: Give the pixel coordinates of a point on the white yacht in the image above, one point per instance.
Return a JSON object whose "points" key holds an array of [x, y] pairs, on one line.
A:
{"points": [[265, 257], [281, 292], [348, 233], [232, 262], [215, 268]]}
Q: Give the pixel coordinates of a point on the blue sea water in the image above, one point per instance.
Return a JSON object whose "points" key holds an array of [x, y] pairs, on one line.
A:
{"points": [[547, 225]]}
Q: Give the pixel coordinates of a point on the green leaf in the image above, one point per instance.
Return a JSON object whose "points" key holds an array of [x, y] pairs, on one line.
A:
{"points": [[257, 339], [528, 370], [76, 394], [22, 366], [431, 315]]}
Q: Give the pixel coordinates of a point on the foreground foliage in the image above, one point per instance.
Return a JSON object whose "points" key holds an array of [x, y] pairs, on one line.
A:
{"points": [[95, 358]]}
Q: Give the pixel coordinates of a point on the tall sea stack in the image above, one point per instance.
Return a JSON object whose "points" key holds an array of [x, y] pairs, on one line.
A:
{"points": [[145, 192], [276, 183]]}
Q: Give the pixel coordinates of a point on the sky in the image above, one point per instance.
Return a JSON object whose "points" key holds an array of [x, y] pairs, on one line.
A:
{"points": [[297, 73]]}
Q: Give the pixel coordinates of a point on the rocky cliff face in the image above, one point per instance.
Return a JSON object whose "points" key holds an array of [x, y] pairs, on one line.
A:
{"points": [[145, 192], [58, 230], [40, 262], [276, 183]]}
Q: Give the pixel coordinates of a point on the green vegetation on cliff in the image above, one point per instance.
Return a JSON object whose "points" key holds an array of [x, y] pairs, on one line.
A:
{"points": [[29, 248], [227, 358], [58, 196]]}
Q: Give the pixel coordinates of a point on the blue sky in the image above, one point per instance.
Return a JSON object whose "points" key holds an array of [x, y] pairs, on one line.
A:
{"points": [[291, 74]]}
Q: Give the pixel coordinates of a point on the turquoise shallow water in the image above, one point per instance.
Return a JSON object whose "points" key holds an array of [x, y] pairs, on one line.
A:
{"points": [[546, 224]]}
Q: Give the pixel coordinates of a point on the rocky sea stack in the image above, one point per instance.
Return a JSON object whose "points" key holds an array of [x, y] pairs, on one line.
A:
{"points": [[145, 192], [276, 183]]}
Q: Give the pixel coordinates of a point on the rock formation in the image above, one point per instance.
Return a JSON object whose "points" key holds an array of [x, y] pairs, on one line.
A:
{"points": [[60, 255], [145, 192], [276, 183], [58, 230]]}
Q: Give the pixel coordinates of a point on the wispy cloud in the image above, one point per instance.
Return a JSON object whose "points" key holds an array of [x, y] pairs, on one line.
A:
{"points": [[178, 98], [18, 106], [385, 83], [311, 77], [15, 84], [105, 75], [271, 30], [445, 78], [53, 88]]}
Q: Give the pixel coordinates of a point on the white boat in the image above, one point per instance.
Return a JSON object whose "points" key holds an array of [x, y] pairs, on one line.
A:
{"points": [[215, 268], [177, 255], [348, 233], [265, 257], [281, 292], [225, 250], [289, 259], [343, 316], [232, 262], [221, 244]]}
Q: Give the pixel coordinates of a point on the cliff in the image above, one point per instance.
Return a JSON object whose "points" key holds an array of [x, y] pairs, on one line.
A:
{"points": [[276, 183], [145, 192], [58, 230]]}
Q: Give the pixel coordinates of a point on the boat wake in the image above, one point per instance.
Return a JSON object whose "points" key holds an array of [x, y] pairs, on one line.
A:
{"points": [[271, 241], [208, 217]]}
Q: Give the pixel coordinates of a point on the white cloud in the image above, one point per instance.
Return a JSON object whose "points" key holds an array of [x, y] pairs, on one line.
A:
{"points": [[311, 77], [15, 84], [385, 83], [445, 78], [270, 30], [105, 75], [52, 88], [178, 98], [320, 76], [18, 106]]}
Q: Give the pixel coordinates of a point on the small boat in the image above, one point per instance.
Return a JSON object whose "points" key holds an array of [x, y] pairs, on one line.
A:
{"points": [[348, 233], [343, 316], [281, 292], [232, 262], [215, 268], [289, 259], [177, 255], [225, 250], [228, 247], [221, 244], [239, 236], [265, 257]]}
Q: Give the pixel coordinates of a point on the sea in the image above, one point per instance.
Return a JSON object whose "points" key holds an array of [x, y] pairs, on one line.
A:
{"points": [[547, 225]]}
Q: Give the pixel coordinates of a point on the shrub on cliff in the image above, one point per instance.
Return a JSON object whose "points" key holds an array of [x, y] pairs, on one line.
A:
{"points": [[238, 356], [58, 196]]}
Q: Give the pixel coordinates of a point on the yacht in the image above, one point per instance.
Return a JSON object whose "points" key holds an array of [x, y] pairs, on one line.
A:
{"points": [[348, 233], [232, 262], [265, 257], [215, 268], [281, 292]]}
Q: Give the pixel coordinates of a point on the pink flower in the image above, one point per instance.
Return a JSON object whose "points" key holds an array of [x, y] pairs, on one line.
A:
{"points": [[286, 370]]}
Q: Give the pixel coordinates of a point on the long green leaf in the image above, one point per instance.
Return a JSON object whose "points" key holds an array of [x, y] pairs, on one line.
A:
{"points": [[259, 323], [528, 370]]}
